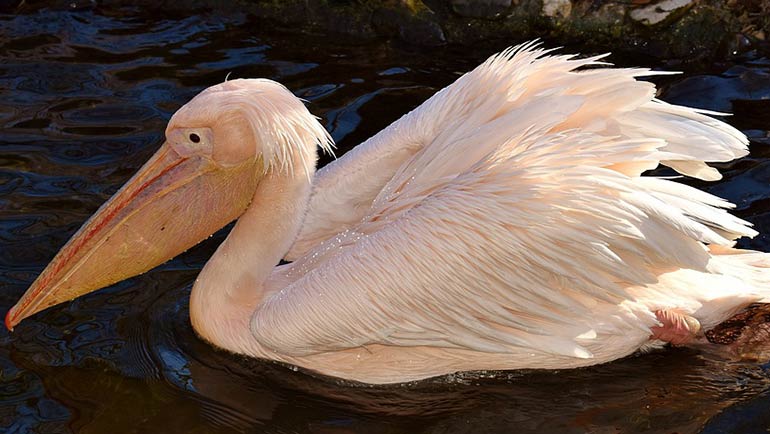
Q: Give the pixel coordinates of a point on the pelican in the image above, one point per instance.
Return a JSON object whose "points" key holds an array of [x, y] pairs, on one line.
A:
{"points": [[503, 224]]}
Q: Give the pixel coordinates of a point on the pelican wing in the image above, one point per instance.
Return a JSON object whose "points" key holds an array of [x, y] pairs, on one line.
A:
{"points": [[521, 223], [512, 83]]}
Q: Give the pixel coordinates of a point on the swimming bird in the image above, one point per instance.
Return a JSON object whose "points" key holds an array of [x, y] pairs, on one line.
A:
{"points": [[505, 223]]}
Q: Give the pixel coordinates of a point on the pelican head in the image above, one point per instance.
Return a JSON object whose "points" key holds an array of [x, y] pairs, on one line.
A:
{"points": [[218, 147]]}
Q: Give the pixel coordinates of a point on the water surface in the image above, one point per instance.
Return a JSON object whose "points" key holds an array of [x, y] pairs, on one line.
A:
{"points": [[84, 98]]}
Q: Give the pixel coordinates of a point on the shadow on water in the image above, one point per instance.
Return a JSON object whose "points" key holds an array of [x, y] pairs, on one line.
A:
{"points": [[84, 97]]}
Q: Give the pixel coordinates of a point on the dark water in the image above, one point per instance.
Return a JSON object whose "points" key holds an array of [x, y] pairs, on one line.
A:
{"points": [[84, 97]]}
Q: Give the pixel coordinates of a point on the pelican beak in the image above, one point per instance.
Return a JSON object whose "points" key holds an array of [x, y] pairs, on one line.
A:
{"points": [[172, 203]]}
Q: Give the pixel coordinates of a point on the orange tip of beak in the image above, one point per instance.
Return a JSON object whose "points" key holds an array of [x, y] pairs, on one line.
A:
{"points": [[8, 321]]}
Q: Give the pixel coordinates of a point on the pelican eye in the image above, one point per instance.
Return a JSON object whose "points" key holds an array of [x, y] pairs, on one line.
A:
{"points": [[195, 138]]}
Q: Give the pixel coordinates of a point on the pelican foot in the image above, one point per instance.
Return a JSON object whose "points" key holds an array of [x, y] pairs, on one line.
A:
{"points": [[677, 328]]}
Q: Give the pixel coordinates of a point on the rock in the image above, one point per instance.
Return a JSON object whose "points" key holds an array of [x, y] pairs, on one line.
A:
{"points": [[747, 334], [480, 8], [559, 9], [754, 344], [679, 30], [658, 12], [418, 29]]}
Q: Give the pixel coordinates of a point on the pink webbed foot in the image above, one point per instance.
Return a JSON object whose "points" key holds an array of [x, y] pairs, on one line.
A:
{"points": [[677, 328]]}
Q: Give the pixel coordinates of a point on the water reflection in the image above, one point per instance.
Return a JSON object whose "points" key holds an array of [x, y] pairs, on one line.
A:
{"points": [[84, 97]]}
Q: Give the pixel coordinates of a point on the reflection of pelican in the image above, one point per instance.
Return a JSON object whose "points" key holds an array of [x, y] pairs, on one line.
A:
{"points": [[503, 224]]}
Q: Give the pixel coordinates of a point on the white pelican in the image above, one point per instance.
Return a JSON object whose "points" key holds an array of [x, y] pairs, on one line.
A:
{"points": [[503, 224]]}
